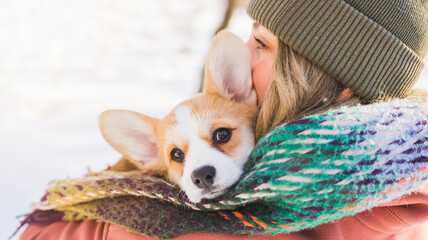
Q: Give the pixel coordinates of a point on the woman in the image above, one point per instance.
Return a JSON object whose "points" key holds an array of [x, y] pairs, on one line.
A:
{"points": [[309, 57]]}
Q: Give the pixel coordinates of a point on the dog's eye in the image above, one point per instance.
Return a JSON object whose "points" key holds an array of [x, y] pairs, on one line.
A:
{"points": [[222, 135], [177, 155]]}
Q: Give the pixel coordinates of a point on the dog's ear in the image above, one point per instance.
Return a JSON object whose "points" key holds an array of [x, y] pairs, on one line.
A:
{"points": [[228, 69], [131, 134]]}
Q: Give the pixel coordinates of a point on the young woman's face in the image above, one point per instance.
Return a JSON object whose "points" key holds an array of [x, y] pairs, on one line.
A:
{"points": [[263, 46]]}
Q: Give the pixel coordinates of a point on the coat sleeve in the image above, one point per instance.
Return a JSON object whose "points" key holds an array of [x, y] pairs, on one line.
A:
{"points": [[86, 230]]}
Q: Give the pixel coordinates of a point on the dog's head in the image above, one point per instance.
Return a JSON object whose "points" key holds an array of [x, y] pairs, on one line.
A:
{"points": [[204, 142]]}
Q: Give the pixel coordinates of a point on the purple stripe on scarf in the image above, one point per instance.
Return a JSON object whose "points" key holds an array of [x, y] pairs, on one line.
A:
{"points": [[130, 182], [300, 122]]}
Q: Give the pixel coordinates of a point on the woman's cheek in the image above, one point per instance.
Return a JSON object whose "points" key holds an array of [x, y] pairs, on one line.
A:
{"points": [[261, 77]]}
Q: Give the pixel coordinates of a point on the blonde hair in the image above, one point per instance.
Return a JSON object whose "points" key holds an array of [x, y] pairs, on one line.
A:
{"points": [[297, 89]]}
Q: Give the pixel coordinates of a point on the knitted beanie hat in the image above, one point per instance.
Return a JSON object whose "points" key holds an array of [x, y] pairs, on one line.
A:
{"points": [[374, 47]]}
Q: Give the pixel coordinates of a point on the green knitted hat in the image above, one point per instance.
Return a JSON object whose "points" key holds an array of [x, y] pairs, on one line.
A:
{"points": [[374, 47]]}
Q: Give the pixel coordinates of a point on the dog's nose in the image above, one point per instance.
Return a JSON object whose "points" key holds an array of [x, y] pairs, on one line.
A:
{"points": [[203, 177]]}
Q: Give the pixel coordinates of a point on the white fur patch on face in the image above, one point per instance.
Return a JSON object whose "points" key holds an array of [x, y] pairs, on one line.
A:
{"points": [[200, 153]]}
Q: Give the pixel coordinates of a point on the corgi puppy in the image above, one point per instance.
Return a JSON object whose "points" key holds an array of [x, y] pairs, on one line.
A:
{"points": [[203, 143]]}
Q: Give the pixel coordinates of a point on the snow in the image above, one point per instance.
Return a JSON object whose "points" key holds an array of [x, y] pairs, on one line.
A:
{"points": [[62, 63]]}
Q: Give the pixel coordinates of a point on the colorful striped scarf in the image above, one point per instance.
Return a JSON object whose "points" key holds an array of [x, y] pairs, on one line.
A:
{"points": [[302, 174]]}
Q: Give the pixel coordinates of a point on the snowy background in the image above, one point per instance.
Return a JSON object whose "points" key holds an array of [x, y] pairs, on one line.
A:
{"points": [[62, 63]]}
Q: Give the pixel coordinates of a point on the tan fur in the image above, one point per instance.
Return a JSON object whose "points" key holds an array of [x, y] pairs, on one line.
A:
{"points": [[124, 165], [224, 112]]}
